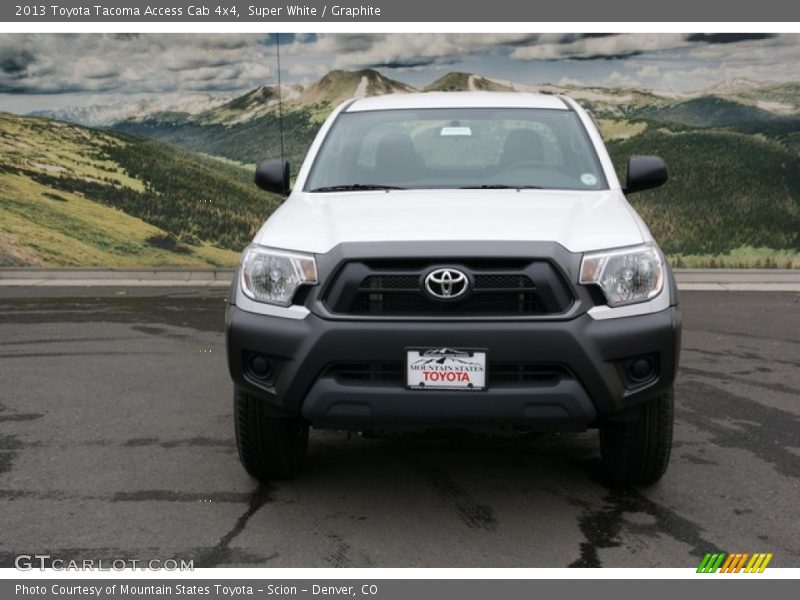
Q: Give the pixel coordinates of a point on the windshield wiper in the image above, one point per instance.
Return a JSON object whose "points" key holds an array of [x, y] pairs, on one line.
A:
{"points": [[356, 187], [500, 186]]}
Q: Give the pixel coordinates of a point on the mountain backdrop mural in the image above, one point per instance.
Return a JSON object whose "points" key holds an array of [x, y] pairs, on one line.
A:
{"points": [[165, 179]]}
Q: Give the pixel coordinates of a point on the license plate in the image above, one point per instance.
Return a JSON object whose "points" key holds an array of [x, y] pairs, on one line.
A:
{"points": [[445, 369]]}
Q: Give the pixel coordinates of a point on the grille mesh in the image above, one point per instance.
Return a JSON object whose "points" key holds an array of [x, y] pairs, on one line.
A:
{"points": [[498, 288], [400, 303], [390, 282], [402, 294]]}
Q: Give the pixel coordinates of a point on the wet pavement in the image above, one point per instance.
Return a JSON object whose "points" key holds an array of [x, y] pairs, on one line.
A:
{"points": [[116, 441]]}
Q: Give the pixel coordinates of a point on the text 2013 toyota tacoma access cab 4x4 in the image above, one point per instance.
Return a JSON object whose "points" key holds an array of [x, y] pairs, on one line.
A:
{"points": [[455, 260]]}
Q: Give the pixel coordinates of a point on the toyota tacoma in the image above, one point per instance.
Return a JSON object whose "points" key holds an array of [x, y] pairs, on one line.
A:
{"points": [[456, 260]]}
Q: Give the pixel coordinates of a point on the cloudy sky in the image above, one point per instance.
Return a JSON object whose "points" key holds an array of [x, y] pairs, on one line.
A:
{"points": [[45, 71]]}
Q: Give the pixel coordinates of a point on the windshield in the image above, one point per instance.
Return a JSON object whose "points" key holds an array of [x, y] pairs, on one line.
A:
{"points": [[456, 148]]}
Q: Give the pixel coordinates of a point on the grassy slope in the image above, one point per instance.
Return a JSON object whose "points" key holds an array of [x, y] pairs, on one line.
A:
{"points": [[245, 143], [41, 228], [727, 190], [62, 188], [707, 111], [735, 165]]}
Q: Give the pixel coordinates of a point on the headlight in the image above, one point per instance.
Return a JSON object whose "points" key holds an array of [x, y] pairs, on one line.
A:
{"points": [[273, 276], [626, 276]]}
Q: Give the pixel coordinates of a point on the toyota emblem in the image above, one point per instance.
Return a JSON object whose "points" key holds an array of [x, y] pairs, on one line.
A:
{"points": [[446, 284]]}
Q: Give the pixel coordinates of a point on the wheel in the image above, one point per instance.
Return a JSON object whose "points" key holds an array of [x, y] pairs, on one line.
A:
{"points": [[269, 448], [638, 451]]}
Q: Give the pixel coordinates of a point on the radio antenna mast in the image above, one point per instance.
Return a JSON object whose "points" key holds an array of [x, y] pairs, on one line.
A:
{"points": [[280, 91]]}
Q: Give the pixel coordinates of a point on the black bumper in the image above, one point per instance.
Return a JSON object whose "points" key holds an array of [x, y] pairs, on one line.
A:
{"points": [[591, 354]]}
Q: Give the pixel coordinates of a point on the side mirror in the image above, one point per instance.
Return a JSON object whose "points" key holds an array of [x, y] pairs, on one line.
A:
{"points": [[645, 172], [273, 176]]}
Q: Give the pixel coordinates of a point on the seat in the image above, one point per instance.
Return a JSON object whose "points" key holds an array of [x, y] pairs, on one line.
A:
{"points": [[522, 145], [396, 159]]}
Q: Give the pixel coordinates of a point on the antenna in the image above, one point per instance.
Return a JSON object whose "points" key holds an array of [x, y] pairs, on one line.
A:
{"points": [[280, 91]]}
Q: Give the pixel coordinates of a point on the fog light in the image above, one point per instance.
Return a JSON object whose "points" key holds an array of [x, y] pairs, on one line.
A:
{"points": [[261, 366], [640, 369]]}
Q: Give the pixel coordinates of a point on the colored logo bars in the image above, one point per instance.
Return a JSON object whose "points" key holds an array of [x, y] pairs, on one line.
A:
{"points": [[734, 563]]}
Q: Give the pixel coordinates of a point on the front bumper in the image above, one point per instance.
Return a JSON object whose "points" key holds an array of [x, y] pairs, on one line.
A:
{"points": [[592, 355]]}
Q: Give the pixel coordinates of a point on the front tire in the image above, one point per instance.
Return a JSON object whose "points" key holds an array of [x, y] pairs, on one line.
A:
{"points": [[269, 447], [638, 452]]}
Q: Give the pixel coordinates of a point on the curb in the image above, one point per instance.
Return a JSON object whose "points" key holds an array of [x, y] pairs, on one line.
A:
{"points": [[124, 274]]}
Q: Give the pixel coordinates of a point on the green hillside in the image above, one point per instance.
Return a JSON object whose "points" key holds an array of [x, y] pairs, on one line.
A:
{"points": [[71, 195], [733, 154], [727, 190], [785, 131], [244, 142], [707, 111], [782, 98]]}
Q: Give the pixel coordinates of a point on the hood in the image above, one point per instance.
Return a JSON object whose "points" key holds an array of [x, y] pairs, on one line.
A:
{"points": [[579, 221]]}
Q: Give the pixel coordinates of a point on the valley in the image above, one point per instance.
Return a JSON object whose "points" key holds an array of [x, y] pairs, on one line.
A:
{"points": [[169, 183]]}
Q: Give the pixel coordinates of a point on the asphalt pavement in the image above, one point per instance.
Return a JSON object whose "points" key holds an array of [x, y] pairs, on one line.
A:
{"points": [[116, 441]]}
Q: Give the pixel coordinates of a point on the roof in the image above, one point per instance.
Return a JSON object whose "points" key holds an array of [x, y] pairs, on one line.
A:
{"points": [[458, 100]]}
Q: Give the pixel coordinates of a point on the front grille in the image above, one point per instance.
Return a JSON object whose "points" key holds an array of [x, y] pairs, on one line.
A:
{"points": [[498, 373], [391, 288], [503, 282], [390, 282], [526, 372], [368, 371], [495, 304], [411, 283]]}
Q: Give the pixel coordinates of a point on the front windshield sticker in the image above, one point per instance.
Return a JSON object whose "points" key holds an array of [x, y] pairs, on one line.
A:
{"points": [[453, 130], [588, 179]]}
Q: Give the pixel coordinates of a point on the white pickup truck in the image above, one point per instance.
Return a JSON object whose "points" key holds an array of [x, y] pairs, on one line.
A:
{"points": [[455, 260]]}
